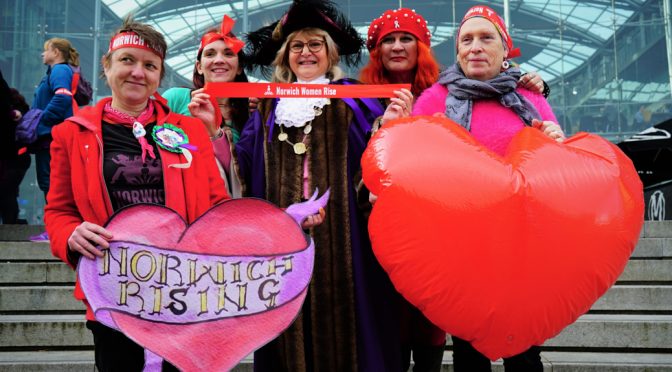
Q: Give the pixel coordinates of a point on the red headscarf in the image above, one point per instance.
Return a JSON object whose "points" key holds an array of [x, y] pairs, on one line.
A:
{"points": [[223, 34], [398, 20], [492, 16]]}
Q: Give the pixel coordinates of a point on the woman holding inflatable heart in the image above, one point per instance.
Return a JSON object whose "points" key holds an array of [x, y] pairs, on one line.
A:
{"points": [[480, 93], [399, 44], [127, 149]]}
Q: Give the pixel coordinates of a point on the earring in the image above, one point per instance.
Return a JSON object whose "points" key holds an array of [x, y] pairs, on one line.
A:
{"points": [[505, 65]]}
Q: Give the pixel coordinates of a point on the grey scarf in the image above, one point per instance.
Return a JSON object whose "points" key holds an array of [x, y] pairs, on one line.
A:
{"points": [[462, 91]]}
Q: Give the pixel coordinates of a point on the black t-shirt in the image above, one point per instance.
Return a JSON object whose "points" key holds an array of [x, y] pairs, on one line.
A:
{"points": [[128, 179]]}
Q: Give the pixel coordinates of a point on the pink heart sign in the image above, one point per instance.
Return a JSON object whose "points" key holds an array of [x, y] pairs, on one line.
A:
{"points": [[507, 251], [205, 295]]}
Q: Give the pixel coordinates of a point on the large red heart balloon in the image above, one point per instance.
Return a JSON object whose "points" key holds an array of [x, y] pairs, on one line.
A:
{"points": [[233, 230], [501, 251]]}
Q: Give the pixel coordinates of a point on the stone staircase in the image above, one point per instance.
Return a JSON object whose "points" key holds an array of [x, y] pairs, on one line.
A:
{"points": [[42, 326]]}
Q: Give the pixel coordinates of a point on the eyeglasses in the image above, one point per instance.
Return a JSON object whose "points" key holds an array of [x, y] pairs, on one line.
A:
{"points": [[313, 45]]}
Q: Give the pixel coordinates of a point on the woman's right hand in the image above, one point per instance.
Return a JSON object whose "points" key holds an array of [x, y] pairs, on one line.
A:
{"points": [[201, 107], [400, 106], [85, 238]]}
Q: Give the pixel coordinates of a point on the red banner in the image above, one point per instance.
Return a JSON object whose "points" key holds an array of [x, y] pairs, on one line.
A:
{"points": [[273, 90]]}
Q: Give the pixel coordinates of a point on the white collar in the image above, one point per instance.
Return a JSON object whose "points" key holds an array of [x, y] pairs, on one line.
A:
{"points": [[297, 112]]}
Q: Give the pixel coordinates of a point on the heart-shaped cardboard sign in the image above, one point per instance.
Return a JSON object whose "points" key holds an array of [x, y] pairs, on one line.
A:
{"points": [[206, 295], [504, 252]]}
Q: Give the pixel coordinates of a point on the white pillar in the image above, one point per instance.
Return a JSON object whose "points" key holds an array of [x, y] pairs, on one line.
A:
{"points": [[96, 51], [668, 39], [507, 22]]}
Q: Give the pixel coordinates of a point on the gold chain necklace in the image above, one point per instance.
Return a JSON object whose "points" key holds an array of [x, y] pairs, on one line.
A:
{"points": [[300, 148]]}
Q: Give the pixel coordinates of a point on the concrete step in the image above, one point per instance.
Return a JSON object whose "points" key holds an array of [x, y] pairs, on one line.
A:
{"points": [[36, 272], [643, 270], [19, 232], [25, 251], [654, 247], [597, 331], [587, 362], [617, 331], [659, 270], [42, 298], [606, 362], [657, 229], [59, 298], [46, 361], [65, 361], [636, 298], [44, 331], [82, 361]]}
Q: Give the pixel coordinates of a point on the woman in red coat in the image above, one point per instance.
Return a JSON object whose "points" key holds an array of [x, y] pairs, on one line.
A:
{"points": [[127, 149]]}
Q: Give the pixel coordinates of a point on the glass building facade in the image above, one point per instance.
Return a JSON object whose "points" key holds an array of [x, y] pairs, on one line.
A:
{"points": [[607, 61]]}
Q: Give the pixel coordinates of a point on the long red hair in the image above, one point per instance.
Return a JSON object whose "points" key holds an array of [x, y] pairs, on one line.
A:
{"points": [[426, 72]]}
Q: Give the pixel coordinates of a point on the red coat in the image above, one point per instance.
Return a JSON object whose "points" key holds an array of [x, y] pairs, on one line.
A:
{"points": [[77, 191]]}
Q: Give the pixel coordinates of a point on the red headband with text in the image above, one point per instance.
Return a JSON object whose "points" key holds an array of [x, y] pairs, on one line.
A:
{"points": [[223, 34], [492, 16], [132, 40]]}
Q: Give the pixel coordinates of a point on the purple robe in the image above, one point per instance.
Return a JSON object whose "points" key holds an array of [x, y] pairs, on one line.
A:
{"points": [[350, 318]]}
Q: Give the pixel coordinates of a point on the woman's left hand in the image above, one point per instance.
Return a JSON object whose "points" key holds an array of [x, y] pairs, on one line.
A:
{"points": [[551, 129], [201, 107], [314, 220], [400, 106], [532, 81]]}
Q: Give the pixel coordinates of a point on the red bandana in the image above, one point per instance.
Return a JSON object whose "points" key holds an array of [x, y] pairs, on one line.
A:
{"points": [[223, 34], [492, 16]]}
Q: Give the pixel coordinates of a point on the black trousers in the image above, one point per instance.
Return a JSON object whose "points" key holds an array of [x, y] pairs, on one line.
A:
{"points": [[116, 352], [11, 174], [468, 359]]}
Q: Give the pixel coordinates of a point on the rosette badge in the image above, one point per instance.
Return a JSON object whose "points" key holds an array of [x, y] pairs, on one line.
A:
{"points": [[173, 139], [205, 295]]}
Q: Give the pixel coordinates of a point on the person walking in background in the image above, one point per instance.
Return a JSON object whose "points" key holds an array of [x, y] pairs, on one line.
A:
{"points": [[14, 161], [54, 97]]}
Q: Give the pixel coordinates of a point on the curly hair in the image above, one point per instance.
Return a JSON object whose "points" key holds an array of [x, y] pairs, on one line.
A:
{"points": [[426, 71]]}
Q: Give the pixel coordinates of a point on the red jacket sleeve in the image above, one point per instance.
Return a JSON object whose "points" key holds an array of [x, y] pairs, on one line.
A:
{"points": [[60, 214]]}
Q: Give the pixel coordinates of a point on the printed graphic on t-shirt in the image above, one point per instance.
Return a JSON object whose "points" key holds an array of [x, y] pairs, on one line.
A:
{"points": [[135, 182]]}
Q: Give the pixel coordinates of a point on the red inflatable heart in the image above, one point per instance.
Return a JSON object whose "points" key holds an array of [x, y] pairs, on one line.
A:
{"points": [[233, 230], [503, 252]]}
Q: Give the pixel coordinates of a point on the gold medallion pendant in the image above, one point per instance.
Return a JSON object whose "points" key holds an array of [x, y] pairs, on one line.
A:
{"points": [[299, 148]]}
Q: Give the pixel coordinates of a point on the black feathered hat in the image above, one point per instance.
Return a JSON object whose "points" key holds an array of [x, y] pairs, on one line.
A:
{"points": [[264, 43]]}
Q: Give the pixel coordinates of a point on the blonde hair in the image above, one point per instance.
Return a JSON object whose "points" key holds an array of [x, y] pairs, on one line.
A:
{"points": [[69, 53], [284, 74]]}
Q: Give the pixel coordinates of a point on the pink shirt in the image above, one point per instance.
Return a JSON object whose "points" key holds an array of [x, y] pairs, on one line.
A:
{"points": [[492, 124]]}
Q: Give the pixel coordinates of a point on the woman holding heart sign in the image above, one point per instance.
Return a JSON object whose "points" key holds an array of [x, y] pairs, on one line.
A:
{"points": [[127, 149], [480, 93]]}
